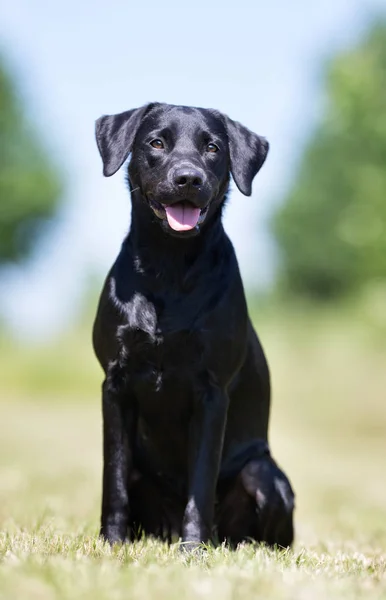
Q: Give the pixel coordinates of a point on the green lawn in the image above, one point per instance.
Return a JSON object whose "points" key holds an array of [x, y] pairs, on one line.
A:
{"points": [[328, 431]]}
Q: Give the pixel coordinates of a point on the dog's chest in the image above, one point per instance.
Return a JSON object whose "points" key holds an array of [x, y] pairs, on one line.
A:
{"points": [[158, 345]]}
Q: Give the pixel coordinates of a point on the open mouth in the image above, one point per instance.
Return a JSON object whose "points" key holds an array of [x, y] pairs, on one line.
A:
{"points": [[181, 216]]}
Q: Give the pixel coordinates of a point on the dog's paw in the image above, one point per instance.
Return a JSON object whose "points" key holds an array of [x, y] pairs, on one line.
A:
{"points": [[114, 529], [275, 500]]}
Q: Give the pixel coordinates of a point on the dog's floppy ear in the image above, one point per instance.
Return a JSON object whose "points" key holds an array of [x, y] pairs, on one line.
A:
{"points": [[247, 151], [115, 136]]}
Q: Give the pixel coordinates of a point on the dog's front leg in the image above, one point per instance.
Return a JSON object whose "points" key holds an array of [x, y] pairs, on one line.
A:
{"points": [[206, 438], [117, 456]]}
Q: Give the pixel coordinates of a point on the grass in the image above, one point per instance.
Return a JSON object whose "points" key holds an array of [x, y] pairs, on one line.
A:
{"points": [[328, 432]]}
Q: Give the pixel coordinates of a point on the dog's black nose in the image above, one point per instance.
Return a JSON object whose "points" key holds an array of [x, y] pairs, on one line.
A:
{"points": [[186, 177]]}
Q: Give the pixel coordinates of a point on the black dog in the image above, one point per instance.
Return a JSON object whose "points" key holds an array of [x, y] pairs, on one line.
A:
{"points": [[187, 394]]}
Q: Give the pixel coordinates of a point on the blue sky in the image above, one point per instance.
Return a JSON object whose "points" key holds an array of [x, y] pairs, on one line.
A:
{"points": [[259, 62]]}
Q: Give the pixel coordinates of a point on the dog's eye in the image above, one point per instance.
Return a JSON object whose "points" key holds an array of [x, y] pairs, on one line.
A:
{"points": [[212, 148], [158, 144]]}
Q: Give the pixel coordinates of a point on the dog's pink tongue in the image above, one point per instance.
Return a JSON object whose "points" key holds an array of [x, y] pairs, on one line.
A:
{"points": [[182, 217]]}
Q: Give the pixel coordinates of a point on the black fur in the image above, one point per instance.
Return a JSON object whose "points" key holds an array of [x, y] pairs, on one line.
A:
{"points": [[186, 394]]}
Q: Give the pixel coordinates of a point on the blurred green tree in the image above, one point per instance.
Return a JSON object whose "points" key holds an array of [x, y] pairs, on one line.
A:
{"points": [[30, 186], [331, 229]]}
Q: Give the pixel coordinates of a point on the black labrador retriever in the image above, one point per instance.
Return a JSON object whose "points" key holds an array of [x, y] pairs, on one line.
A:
{"points": [[186, 395]]}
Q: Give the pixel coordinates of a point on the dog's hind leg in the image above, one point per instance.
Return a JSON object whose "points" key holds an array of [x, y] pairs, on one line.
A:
{"points": [[257, 505]]}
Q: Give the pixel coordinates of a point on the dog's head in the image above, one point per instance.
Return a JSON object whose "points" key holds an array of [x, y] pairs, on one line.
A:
{"points": [[181, 159]]}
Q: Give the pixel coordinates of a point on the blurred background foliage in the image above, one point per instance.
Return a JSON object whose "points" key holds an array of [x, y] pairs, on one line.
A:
{"points": [[30, 184], [331, 227]]}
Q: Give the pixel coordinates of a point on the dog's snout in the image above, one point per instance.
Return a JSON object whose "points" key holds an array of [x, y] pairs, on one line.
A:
{"points": [[186, 177]]}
